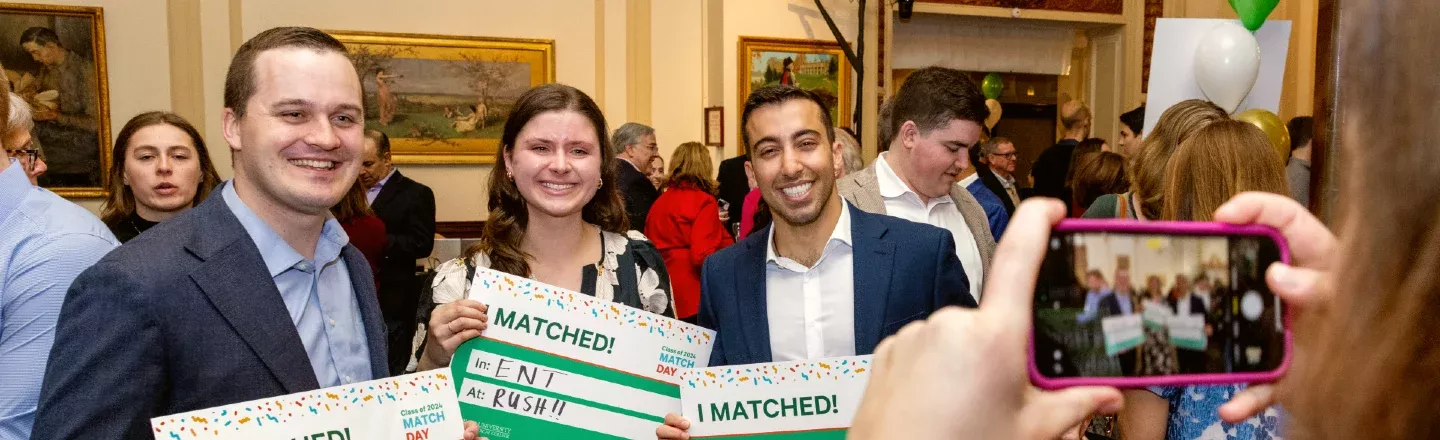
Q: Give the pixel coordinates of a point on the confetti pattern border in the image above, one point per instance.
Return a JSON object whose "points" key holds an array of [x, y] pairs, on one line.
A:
{"points": [[215, 421], [500, 283], [759, 375]]}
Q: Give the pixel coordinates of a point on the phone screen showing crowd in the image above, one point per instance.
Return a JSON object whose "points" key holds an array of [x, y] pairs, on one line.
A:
{"points": [[1126, 305]]}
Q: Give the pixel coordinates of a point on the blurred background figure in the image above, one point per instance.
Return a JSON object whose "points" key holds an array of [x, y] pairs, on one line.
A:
{"points": [[18, 140], [657, 172], [850, 152], [685, 225], [1094, 175], [1132, 127], [366, 231], [1297, 169]]}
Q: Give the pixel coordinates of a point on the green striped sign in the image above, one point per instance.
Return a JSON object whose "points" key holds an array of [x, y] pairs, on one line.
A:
{"points": [[558, 364]]}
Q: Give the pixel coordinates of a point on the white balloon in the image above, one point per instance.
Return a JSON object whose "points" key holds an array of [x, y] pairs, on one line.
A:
{"points": [[1227, 62]]}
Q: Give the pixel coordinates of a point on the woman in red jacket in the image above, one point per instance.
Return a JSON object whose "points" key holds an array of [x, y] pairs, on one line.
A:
{"points": [[684, 223], [365, 230]]}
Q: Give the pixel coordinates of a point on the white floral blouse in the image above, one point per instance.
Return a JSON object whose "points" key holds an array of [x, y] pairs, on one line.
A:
{"points": [[630, 272]]}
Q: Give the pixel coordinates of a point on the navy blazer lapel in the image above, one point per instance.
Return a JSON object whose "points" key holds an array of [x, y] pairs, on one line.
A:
{"points": [[234, 277], [388, 191], [750, 295], [364, 287], [874, 260]]}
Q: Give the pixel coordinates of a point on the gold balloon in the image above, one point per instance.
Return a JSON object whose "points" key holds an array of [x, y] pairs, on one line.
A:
{"points": [[1273, 127], [995, 111]]}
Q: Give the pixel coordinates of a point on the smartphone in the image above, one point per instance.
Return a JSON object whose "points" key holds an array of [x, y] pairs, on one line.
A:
{"points": [[1133, 304]]}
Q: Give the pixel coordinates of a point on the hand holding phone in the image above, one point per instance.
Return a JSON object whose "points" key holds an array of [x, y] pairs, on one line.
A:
{"points": [[1134, 304], [1301, 284]]}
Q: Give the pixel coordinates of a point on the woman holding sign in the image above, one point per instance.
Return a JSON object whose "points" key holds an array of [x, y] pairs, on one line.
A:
{"points": [[554, 176]]}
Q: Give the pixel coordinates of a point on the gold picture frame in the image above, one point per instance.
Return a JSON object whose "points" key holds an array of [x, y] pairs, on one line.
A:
{"points": [[816, 65], [72, 124], [443, 99]]}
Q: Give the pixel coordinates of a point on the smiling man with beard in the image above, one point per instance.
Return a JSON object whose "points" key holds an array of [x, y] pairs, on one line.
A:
{"points": [[825, 279], [253, 294]]}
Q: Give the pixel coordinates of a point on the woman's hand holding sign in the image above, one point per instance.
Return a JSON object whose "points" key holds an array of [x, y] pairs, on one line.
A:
{"points": [[452, 324]]}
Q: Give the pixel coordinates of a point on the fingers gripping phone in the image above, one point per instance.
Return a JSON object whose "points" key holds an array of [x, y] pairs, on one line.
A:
{"points": [[1132, 304]]}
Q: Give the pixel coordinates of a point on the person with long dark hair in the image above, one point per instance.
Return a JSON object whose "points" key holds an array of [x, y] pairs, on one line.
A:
{"points": [[160, 168], [556, 216]]}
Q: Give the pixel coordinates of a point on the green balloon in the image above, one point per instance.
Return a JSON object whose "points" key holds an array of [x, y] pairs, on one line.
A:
{"points": [[993, 85], [1253, 12]]}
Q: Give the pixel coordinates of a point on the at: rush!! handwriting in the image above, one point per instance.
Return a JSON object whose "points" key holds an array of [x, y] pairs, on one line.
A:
{"points": [[555, 331], [768, 408]]}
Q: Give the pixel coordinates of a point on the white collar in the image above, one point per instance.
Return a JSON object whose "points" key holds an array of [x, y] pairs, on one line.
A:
{"points": [[970, 179], [840, 234], [891, 186]]}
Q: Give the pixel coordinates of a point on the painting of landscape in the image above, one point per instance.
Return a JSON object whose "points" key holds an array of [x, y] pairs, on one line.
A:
{"points": [[817, 66], [444, 99]]}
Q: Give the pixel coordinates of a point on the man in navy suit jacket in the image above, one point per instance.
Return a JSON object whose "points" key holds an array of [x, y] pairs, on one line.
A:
{"points": [[824, 279], [253, 294]]}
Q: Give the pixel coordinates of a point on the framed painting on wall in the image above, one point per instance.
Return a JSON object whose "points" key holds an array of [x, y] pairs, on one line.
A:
{"points": [[54, 58], [814, 65], [444, 99]]}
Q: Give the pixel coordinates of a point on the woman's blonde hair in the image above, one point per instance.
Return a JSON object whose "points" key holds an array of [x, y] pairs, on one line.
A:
{"points": [[1217, 162], [1147, 168], [691, 164]]}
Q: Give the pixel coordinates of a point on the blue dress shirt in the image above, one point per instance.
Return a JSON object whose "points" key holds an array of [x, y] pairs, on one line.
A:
{"points": [[45, 242], [317, 293]]}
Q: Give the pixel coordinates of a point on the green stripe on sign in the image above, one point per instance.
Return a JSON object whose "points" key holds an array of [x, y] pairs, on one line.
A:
{"points": [[501, 425], [572, 399], [563, 364], [828, 434]]}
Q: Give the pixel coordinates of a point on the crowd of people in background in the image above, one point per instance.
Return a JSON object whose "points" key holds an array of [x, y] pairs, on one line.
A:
{"points": [[797, 250]]}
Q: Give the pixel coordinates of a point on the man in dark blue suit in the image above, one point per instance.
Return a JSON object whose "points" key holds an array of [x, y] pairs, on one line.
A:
{"points": [[253, 294], [825, 279]]}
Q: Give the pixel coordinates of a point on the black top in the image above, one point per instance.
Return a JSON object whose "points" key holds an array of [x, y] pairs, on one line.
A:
{"points": [[407, 208], [733, 187], [639, 194], [130, 227], [1051, 169]]}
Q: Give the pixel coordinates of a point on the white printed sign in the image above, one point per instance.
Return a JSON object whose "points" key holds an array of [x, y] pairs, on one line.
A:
{"points": [[1122, 333], [418, 406], [1188, 332], [810, 399]]}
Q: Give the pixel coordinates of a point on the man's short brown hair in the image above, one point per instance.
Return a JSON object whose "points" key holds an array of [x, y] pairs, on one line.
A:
{"points": [[240, 80], [932, 97]]}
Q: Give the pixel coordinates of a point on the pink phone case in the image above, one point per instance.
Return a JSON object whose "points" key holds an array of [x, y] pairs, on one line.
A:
{"points": [[1169, 228]]}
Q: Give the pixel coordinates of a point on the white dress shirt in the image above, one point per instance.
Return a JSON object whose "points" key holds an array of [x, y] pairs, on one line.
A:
{"points": [[901, 202], [812, 309]]}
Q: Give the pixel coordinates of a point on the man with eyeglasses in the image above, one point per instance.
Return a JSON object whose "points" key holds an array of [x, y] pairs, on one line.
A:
{"points": [[46, 243], [1000, 156], [18, 141]]}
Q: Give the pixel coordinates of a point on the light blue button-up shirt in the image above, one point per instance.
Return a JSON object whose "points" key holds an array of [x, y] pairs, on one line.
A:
{"points": [[45, 242], [374, 191], [318, 295]]}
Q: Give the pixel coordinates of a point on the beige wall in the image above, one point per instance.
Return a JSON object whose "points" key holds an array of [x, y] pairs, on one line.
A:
{"points": [[138, 54], [773, 18], [459, 189], [608, 48]]}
